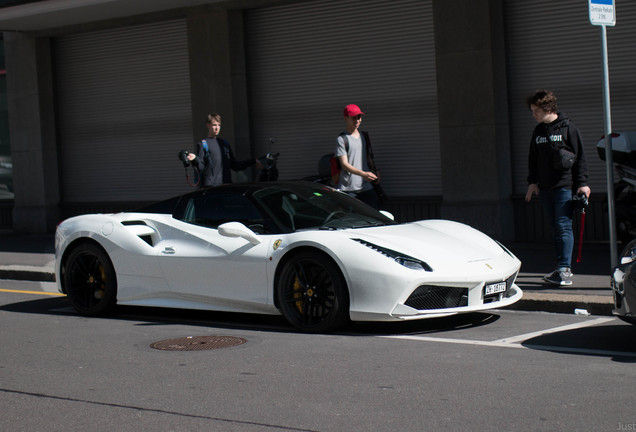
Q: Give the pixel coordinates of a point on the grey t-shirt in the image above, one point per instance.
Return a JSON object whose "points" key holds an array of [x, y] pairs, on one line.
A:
{"points": [[357, 157]]}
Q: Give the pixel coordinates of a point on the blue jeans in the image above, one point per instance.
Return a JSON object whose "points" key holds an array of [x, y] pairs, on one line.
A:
{"points": [[557, 204]]}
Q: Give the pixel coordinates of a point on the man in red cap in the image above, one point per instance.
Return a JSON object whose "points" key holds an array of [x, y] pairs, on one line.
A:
{"points": [[354, 153]]}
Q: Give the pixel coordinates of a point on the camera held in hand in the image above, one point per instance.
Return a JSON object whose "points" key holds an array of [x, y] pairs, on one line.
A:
{"points": [[580, 201], [269, 172], [183, 157]]}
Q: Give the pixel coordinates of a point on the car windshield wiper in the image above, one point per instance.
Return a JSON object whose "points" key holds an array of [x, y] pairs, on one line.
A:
{"points": [[352, 226], [370, 224]]}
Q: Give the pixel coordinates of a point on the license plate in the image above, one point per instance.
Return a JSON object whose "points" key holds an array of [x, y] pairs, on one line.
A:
{"points": [[495, 288]]}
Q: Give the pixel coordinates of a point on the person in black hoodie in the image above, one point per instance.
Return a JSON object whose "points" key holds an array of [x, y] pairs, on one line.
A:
{"points": [[555, 179], [214, 157]]}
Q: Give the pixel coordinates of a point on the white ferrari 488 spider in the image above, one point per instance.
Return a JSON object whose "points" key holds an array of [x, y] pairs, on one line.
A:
{"points": [[303, 250]]}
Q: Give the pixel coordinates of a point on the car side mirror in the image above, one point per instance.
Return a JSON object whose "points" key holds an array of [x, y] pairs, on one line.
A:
{"points": [[388, 214], [237, 229]]}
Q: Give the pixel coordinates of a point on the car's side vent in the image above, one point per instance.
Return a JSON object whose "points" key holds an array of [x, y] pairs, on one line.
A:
{"points": [[141, 230], [427, 297]]}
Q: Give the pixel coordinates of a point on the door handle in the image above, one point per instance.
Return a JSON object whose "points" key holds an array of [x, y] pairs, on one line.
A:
{"points": [[169, 251]]}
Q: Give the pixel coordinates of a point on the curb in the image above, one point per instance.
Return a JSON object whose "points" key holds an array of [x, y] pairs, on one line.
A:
{"points": [[27, 275], [565, 303]]}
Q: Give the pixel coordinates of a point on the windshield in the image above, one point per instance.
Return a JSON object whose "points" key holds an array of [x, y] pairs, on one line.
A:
{"points": [[314, 207]]}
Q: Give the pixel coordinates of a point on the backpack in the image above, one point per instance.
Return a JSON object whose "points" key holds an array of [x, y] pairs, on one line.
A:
{"points": [[562, 157], [329, 165], [334, 163]]}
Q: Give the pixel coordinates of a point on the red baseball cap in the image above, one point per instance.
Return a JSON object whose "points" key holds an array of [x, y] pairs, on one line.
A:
{"points": [[352, 111]]}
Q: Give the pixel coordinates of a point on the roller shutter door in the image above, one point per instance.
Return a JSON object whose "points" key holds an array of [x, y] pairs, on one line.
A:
{"points": [[552, 45], [124, 112], [306, 61]]}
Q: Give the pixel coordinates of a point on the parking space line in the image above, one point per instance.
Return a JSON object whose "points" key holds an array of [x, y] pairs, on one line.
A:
{"points": [[456, 341], [499, 344], [31, 292], [515, 341], [574, 326]]}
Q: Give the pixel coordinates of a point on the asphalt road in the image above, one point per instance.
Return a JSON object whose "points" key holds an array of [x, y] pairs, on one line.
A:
{"points": [[504, 370]]}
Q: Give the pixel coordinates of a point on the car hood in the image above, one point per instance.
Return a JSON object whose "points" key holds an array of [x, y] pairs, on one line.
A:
{"points": [[434, 241]]}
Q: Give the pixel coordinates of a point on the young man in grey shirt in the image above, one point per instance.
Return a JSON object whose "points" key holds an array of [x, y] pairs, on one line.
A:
{"points": [[214, 158], [351, 151]]}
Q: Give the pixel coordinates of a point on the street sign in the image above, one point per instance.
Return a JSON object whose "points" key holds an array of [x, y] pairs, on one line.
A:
{"points": [[602, 12]]}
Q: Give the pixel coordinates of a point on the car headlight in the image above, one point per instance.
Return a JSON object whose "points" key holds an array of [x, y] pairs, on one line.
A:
{"points": [[400, 258], [617, 281], [413, 264], [629, 254]]}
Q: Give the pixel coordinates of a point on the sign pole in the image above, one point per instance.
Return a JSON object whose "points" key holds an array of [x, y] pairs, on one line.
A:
{"points": [[609, 157], [603, 13]]}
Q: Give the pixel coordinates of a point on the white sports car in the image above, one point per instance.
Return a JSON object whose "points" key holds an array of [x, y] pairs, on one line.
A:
{"points": [[303, 250]]}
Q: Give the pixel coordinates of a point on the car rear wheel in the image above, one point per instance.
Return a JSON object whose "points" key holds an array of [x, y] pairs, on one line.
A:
{"points": [[312, 293], [89, 280]]}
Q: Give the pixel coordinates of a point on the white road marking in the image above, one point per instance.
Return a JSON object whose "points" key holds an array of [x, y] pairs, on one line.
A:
{"points": [[515, 341], [456, 341], [578, 325]]}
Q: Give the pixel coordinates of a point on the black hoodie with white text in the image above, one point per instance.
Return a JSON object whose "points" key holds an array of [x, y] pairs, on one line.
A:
{"points": [[561, 133]]}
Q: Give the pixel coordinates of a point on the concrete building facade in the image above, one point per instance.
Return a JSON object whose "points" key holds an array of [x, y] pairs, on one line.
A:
{"points": [[102, 96]]}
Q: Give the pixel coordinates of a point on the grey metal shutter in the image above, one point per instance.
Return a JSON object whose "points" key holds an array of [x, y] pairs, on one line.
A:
{"points": [[306, 61], [552, 45], [124, 112]]}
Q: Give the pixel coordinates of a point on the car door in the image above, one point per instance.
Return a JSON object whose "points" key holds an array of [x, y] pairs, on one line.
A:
{"points": [[202, 266]]}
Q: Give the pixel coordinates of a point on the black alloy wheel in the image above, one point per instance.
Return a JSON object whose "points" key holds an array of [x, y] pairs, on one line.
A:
{"points": [[312, 293], [89, 280]]}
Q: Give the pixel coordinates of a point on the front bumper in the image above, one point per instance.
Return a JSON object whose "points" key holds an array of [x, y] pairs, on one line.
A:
{"points": [[476, 301]]}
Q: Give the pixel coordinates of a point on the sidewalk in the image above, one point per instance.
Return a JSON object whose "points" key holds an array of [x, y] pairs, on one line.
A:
{"points": [[31, 257], [590, 292]]}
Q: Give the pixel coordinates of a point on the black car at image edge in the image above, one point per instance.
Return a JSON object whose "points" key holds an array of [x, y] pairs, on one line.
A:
{"points": [[624, 284]]}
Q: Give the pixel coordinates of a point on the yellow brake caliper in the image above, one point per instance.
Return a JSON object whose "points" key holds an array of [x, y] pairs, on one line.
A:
{"points": [[100, 292], [298, 294]]}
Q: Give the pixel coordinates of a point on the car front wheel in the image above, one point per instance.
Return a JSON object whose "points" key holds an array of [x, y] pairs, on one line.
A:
{"points": [[312, 293], [89, 280]]}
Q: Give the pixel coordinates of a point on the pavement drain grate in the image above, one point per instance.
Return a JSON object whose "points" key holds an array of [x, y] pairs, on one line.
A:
{"points": [[198, 343]]}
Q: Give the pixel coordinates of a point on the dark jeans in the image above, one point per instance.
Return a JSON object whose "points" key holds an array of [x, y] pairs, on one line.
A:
{"points": [[367, 196], [557, 204]]}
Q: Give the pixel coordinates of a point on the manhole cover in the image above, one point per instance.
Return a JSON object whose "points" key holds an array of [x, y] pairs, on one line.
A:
{"points": [[198, 343]]}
